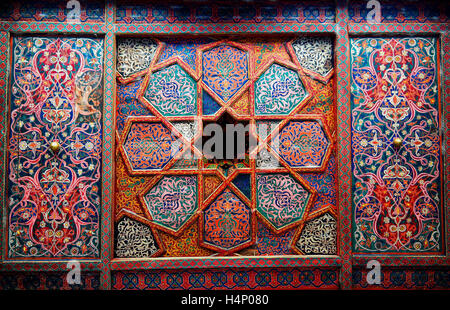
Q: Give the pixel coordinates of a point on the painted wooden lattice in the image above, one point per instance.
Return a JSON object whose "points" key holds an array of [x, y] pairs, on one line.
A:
{"points": [[227, 205]]}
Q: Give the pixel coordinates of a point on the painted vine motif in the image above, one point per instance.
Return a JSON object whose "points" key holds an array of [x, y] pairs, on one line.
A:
{"points": [[149, 146], [396, 146], [225, 70], [227, 223], [172, 91], [172, 202], [54, 195], [278, 91], [281, 199], [302, 144], [259, 206]]}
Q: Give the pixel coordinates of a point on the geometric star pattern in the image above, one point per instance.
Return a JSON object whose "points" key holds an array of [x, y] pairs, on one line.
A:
{"points": [[223, 203]]}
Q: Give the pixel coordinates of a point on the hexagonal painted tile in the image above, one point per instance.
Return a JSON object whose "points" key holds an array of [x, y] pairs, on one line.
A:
{"points": [[225, 70], [281, 200], [148, 146], [278, 91], [172, 202], [302, 144], [172, 92], [227, 224]]}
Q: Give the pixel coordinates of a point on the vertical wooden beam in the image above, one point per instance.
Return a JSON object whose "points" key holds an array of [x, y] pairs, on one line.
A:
{"points": [[108, 150], [445, 101], [4, 53], [344, 142]]}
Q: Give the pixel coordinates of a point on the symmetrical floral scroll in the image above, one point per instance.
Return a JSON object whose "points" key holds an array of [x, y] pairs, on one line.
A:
{"points": [[172, 91], [148, 146], [225, 70], [172, 202], [281, 200], [266, 203], [54, 194], [302, 144], [278, 91], [227, 223], [396, 146]]}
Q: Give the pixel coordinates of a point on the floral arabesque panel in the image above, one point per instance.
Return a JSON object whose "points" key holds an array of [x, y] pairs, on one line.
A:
{"points": [[397, 203], [54, 159], [280, 201]]}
